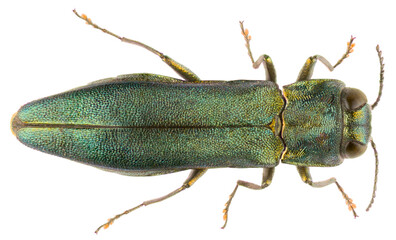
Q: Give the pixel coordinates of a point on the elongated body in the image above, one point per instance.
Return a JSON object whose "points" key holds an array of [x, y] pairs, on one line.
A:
{"points": [[147, 124], [141, 126]]}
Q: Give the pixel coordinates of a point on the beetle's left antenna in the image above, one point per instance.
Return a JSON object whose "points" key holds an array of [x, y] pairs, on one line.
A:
{"points": [[381, 59]]}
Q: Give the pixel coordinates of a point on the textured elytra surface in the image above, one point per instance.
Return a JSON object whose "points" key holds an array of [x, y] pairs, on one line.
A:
{"points": [[153, 104], [158, 125]]}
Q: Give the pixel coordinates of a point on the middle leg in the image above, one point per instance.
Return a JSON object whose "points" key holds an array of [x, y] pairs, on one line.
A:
{"points": [[264, 59], [268, 174]]}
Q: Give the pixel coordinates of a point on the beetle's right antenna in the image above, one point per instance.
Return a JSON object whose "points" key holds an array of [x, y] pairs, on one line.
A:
{"points": [[375, 176], [381, 59]]}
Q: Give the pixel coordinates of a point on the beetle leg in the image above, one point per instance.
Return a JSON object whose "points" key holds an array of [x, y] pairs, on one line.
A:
{"points": [[264, 59], [195, 174], [308, 68], [183, 71], [306, 177], [268, 173], [270, 73]]}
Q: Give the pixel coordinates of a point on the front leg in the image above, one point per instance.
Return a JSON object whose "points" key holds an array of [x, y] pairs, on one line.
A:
{"points": [[306, 177], [308, 68]]}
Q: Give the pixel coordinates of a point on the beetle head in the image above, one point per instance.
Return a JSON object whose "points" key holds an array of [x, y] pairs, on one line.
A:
{"points": [[357, 122]]}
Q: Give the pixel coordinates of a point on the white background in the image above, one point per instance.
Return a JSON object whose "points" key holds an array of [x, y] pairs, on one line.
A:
{"points": [[45, 49]]}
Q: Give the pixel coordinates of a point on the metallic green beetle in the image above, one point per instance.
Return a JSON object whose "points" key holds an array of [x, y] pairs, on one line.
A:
{"points": [[146, 124]]}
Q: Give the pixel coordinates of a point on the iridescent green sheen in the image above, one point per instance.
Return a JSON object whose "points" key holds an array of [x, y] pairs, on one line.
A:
{"points": [[313, 123], [147, 124], [142, 124], [357, 125], [134, 125]]}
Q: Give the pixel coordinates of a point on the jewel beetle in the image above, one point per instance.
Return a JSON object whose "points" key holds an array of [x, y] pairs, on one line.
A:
{"points": [[149, 124]]}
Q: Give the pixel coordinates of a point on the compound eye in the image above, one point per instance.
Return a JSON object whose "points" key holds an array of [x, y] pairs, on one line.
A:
{"points": [[353, 98], [354, 149]]}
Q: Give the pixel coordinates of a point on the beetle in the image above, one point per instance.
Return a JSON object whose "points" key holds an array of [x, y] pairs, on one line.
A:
{"points": [[149, 124]]}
